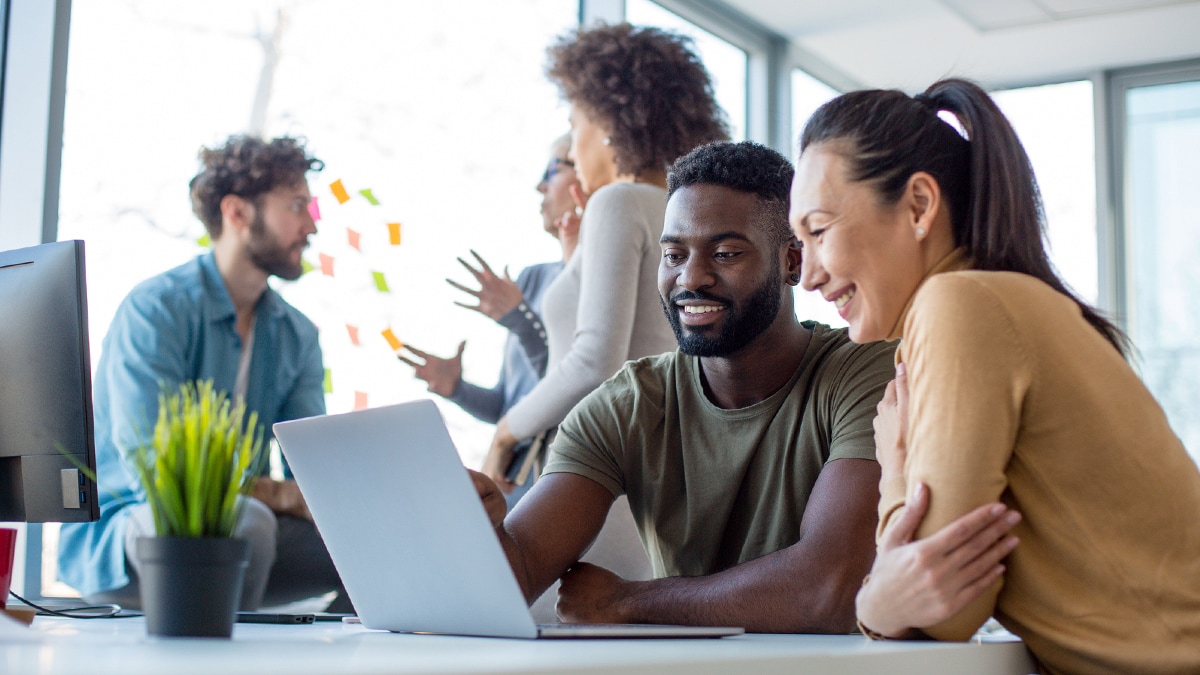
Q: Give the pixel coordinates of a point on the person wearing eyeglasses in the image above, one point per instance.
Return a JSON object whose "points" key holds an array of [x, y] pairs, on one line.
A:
{"points": [[514, 304]]}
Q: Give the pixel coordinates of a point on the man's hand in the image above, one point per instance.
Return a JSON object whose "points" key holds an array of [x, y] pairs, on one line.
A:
{"points": [[921, 584], [493, 501], [497, 295], [281, 496], [591, 594], [499, 456], [891, 427], [442, 375]]}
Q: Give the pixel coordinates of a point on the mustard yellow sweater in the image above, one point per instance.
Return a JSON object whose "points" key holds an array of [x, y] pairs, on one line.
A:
{"points": [[1015, 397]]}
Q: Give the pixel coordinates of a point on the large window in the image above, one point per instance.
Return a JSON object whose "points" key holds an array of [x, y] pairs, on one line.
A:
{"points": [[1056, 124], [1161, 171], [446, 121], [725, 62]]}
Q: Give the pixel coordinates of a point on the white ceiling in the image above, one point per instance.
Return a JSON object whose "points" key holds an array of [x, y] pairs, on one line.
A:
{"points": [[911, 43]]}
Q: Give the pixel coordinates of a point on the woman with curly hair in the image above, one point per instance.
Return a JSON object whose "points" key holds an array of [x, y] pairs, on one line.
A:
{"points": [[640, 99]]}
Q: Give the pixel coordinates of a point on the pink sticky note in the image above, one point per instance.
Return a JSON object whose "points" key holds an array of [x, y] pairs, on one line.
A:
{"points": [[326, 264], [354, 237], [360, 400], [353, 330], [314, 210]]}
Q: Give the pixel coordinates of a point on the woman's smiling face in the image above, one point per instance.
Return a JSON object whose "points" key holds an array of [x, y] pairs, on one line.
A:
{"points": [[858, 254]]}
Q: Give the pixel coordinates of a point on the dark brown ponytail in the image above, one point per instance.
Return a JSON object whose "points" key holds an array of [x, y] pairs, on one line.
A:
{"points": [[994, 202]]}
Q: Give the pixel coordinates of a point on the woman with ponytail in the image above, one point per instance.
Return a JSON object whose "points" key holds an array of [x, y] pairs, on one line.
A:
{"points": [[920, 218]]}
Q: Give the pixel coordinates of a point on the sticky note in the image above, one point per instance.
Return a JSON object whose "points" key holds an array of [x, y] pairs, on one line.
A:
{"points": [[360, 400], [354, 237], [326, 265], [380, 282], [370, 197], [314, 210], [339, 191], [353, 331], [392, 340], [394, 234], [204, 241], [305, 267], [328, 381]]}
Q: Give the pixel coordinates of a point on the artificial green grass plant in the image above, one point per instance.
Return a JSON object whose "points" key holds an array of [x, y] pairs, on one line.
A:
{"points": [[200, 460]]}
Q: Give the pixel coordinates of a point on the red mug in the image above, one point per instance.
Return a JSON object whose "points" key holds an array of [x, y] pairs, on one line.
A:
{"points": [[8, 551]]}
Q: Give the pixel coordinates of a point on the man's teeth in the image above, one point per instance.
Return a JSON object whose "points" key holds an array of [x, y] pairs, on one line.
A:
{"points": [[841, 300], [701, 309]]}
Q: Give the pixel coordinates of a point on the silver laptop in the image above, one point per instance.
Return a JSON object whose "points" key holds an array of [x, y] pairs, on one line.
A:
{"points": [[408, 533]]}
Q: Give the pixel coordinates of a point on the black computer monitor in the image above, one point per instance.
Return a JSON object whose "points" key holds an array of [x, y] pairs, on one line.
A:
{"points": [[46, 427]]}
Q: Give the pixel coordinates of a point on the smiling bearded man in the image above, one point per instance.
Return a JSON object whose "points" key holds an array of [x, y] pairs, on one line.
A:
{"points": [[748, 455]]}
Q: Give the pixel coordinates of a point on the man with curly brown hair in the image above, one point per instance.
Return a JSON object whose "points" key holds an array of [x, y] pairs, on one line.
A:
{"points": [[215, 318]]}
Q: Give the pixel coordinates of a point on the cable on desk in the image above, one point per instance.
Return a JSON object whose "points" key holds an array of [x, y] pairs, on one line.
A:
{"points": [[91, 611]]}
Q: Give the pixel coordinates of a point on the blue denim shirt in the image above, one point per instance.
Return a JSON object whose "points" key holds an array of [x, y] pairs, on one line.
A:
{"points": [[175, 327]]}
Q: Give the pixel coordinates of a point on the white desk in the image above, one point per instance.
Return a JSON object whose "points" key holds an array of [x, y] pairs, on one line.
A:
{"points": [[120, 646]]}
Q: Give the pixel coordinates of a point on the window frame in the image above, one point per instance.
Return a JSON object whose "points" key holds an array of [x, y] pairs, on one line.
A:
{"points": [[1115, 263]]}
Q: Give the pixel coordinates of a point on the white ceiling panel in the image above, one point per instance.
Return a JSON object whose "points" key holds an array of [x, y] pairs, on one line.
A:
{"points": [[987, 15], [910, 43]]}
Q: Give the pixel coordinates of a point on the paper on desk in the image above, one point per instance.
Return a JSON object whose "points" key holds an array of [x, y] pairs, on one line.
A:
{"points": [[12, 631]]}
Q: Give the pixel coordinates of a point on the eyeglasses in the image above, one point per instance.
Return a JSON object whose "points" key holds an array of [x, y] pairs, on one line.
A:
{"points": [[552, 169]]}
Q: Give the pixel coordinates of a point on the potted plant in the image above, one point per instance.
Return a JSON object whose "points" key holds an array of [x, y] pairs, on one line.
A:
{"points": [[196, 471]]}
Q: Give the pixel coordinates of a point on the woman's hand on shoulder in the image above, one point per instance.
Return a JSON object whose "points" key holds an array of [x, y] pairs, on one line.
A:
{"points": [[917, 584]]}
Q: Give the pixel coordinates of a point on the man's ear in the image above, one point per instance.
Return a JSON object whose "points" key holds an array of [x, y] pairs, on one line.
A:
{"points": [[793, 259], [236, 213], [924, 202]]}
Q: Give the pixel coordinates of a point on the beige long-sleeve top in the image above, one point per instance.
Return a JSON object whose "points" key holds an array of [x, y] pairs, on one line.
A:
{"points": [[1015, 397], [603, 309]]}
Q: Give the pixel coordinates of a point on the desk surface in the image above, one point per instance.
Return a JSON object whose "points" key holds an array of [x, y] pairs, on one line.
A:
{"points": [[121, 646]]}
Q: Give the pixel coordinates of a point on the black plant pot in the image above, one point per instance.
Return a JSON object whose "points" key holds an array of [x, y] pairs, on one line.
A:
{"points": [[191, 587]]}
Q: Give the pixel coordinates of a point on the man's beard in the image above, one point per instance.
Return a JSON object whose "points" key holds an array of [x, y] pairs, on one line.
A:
{"points": [[268, 254], [741, 324]]}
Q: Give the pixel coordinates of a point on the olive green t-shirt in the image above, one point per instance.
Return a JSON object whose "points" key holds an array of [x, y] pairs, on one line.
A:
{"points": [[713, 488]]}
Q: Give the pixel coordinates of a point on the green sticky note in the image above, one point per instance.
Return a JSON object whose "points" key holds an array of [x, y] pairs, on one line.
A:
{"points": [[380, 282], [204, 241], [328, 381], [370, 197], [305, 267]]}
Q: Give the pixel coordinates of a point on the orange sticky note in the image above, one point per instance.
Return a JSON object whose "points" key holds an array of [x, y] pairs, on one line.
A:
{"points": [[360, 400], [392, 339], [339, 191], [394, 233], [326, 264], [353, 331], [354, 237]]}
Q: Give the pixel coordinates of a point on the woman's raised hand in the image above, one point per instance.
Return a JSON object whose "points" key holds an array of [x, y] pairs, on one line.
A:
{"points": [[497, 295]]}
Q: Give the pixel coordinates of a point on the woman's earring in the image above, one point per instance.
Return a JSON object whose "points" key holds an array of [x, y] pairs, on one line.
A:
{"points": [[607, 140], [920, 232], [795, 278]]}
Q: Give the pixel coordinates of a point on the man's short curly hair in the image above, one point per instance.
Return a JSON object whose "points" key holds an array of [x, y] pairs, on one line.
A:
{"points": [[247, 167], [645, 84], [746, 167]]}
